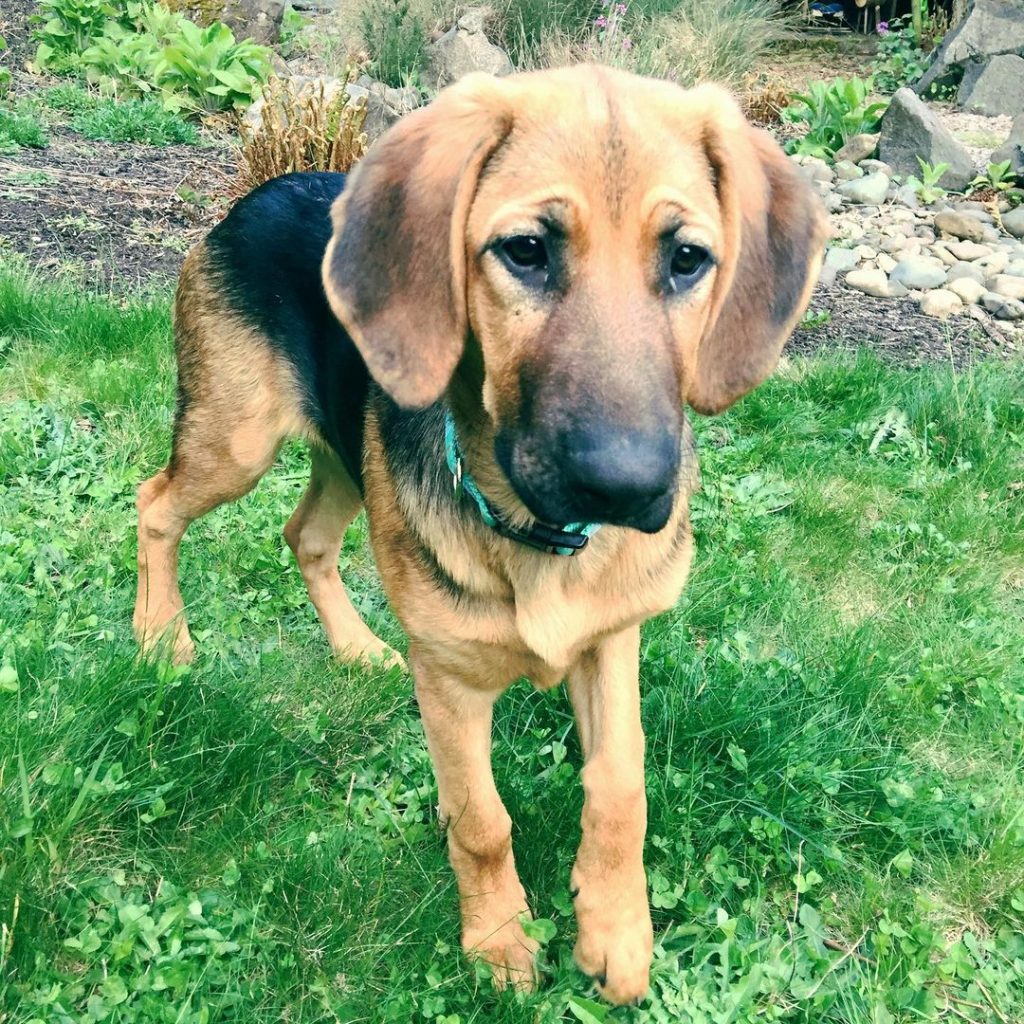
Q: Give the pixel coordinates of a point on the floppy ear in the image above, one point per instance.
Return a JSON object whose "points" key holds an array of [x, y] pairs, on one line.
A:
{"points": [[395, 268], [775, 231]]}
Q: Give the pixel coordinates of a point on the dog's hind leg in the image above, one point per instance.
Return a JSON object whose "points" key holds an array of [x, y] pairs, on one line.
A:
{"points": [[315, 533], [211, 465]]}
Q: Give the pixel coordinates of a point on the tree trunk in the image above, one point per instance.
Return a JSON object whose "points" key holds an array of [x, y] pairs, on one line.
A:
{"points": [[918, 18]]}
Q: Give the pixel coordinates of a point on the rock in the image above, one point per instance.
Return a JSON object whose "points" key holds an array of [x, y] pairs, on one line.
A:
{"points": [[1003, 308], [906, 195], [303, 87], [886, 262], [259, 20], [968, 291], [837, 260], [1010, 287], [911, 131], [941, 253], [959, 225], [1015, 269], [875, 167], [870, 282], [816, 169], [966, 272], [464, 49], [845, 170], [1013, 148], [384, 106], [858, 148], [992, 27], [870, 190], [996, 87], [1014, 222], [994, 264], [919, 272], [969, 250], [941, 304], [897, 243]]}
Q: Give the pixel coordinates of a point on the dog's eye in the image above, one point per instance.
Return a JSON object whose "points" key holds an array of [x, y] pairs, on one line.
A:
{"points": [[525, 252], [688, 261]]}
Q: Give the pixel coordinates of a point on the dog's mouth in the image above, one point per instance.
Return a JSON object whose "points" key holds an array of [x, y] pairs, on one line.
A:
{"points": [[628, 483]]}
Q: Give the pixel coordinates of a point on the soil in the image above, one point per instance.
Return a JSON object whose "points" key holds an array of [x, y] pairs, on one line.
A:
{"points": [[124, 215]]}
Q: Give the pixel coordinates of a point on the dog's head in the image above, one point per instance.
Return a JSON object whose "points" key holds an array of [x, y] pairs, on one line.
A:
{"points": [[610, 248]]}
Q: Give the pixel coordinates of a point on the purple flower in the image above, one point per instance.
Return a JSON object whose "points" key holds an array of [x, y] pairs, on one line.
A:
{"points": [[883, 28], [602, 22], [620, 9], [627, 43]]}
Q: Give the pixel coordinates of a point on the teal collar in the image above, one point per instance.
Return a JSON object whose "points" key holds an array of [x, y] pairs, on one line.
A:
{"points": [[567, 541]]}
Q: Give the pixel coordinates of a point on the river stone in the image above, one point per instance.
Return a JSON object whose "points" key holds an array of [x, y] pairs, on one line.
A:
{"points": [[1010, 287], [847, 171], [1013, 148], [993, 87], [966, 272], [870, 190], [959, 225], [858, 148], [1002, 307], [941, 304], [968, 250], [969, 291], [919, 272], [1014, 222], [870, 282], [1015, 269]]}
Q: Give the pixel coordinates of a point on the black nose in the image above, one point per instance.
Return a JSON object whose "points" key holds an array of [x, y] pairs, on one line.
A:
{"points": [[622, 477]]}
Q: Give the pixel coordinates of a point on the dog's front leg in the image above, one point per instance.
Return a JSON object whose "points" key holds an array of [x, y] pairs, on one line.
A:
{"points": [[457, 722], [608, 880]]}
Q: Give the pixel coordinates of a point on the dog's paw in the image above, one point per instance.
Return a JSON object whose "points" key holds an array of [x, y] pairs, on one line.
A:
{"points": [[511, 955], [377, 655], [615, 941], [171, 643]]}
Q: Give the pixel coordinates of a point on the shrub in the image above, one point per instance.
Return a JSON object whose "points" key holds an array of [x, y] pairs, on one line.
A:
{"points": [[72, 99], [396, 38], [20, 127], [301, 131], [833, 113], [122, 62], [134, 121]]}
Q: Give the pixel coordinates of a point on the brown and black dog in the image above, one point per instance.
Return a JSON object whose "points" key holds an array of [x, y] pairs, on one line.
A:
{"points": [[488, 335]]}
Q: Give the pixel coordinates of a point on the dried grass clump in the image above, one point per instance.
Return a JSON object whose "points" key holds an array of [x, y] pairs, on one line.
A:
{"points": [[765, 99], [301, 130]]}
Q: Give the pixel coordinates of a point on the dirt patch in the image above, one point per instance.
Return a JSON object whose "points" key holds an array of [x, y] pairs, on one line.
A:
{"points": [[122, 214], [16, 28], [897, 330]]}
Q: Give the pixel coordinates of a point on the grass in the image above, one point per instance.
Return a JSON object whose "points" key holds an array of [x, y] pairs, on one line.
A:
{"points": [[21, 127], [834, 712], [134, 121]]}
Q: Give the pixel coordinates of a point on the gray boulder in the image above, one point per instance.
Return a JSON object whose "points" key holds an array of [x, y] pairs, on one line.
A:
{"points": [[996, 87], [463, 49], [384, 106], [911, 131], [1013, 221], [1013, 148], [991, 28], [259, 20]]}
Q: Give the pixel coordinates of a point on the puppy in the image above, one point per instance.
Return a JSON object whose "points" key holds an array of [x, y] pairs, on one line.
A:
{"points": [[489, 334]]}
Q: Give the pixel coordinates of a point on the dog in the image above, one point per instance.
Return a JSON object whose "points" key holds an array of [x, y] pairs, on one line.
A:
{"points": [[488, 334]]}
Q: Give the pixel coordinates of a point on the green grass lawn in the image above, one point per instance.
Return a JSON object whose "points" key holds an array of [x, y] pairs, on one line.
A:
{"points": [[835, 721]]}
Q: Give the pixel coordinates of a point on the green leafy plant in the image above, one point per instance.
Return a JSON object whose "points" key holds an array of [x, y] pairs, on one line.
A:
{"points": [[292, 40], [900, 59], [21, 126], [69, 98], [833, 112], [998, 177], [122, 62], [68, 27], [134, 121], [208, 70], [5, 74], [927, 187], [396, 38]]}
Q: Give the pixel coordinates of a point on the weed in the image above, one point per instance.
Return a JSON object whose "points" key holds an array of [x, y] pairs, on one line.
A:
{"points": [[927, 187], [69, 98], [5, 74], [134, 121], [301, 131], [998, 177], [293, 39]]}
